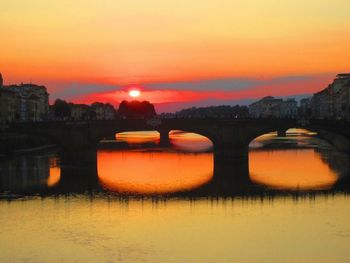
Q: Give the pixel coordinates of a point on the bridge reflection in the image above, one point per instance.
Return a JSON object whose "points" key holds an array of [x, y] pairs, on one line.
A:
{"points": [[29, 173], [206, 179], [291, 169], [230, 137], [276, 165], [153, 172]]}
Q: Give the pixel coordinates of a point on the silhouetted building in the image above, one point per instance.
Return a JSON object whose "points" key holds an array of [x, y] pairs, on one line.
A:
{"points": [[270, 107], [103, 111], [223, 112], [33, 101], [24, 102], [305, 107], [8, 106], [334, 101], [288, 109], [264, 108], [62, 110], [81, 112]]}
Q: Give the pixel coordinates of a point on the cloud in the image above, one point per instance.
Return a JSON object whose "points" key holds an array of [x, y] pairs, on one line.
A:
{"points": [[76, 90], [205, 85], [73, 90], [169, 96], [228, 84]]}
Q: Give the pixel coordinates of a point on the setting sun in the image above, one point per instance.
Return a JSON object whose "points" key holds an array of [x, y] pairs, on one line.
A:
{"points": [[134, 93]]}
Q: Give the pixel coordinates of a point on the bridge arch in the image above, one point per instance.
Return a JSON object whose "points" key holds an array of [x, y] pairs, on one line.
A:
{"points": [[280, 131], [335, 139], [138, 137], [284, 167], [165, 137], [190, 141], [230, 137], [254, 143]]}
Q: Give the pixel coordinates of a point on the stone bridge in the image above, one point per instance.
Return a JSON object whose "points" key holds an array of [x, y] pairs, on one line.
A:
{"points": [[230, 137]]}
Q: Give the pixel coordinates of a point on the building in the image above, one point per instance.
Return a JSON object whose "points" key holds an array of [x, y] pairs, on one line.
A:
{"points": [[321, 104], [340, 96], [264, 108], [62, 111], [33, 102], [270, 107], [24, 102], [305, 107], [288, 109], [333, 102], [80, 112], [103, 111], [8, 106]]}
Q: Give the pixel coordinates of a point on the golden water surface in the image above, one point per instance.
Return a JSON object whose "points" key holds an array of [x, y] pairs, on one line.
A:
{"points": [[97, 228], [182, 167], [296, 168], [143, 172], [85, 229], [291, 169]]}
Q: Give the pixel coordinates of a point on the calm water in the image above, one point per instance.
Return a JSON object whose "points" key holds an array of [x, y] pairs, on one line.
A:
{"points": [[148, 204]]}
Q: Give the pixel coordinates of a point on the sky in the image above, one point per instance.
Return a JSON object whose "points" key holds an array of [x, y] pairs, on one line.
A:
{"points": [[178, 53]]}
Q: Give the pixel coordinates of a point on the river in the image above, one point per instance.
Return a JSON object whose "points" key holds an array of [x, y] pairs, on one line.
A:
{"points": [[146, 203]]}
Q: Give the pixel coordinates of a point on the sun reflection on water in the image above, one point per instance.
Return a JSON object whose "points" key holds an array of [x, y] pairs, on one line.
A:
{"points": [[295, 166], [291, 169], [142, 172], [138, 137], [192, 142]]}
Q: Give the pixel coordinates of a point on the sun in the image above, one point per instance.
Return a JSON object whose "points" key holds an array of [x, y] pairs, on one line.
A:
{"points": [[134, 93]]}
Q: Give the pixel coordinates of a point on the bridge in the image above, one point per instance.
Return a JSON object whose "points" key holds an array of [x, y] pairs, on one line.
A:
{"points": [[230, 137]]}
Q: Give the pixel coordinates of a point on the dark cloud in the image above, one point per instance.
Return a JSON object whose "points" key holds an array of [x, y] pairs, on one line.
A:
{"points": [[227, 84], [75, 90], [78, 89], [205, 85]]}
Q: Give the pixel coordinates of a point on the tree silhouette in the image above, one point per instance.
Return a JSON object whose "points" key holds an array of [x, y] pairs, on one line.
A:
{"points": [[61, 109], [136, 109]]}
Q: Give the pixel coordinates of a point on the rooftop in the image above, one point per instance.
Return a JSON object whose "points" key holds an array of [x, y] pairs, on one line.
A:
{"points": [[25, 85], [2, 90], [343, 76]]}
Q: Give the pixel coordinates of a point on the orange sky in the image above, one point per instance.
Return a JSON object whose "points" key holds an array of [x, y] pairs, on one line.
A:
{"points": [[72, 45]]}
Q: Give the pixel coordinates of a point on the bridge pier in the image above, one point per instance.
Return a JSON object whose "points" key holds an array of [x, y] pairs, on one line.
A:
{"points": [[164, 139], [231, 153], [79, 159], [78, 169], [230, 145], [232, 177]]}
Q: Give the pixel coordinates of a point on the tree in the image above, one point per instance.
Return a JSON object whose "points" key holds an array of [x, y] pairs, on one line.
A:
{"points": [[61, 109], [136, 109]]}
